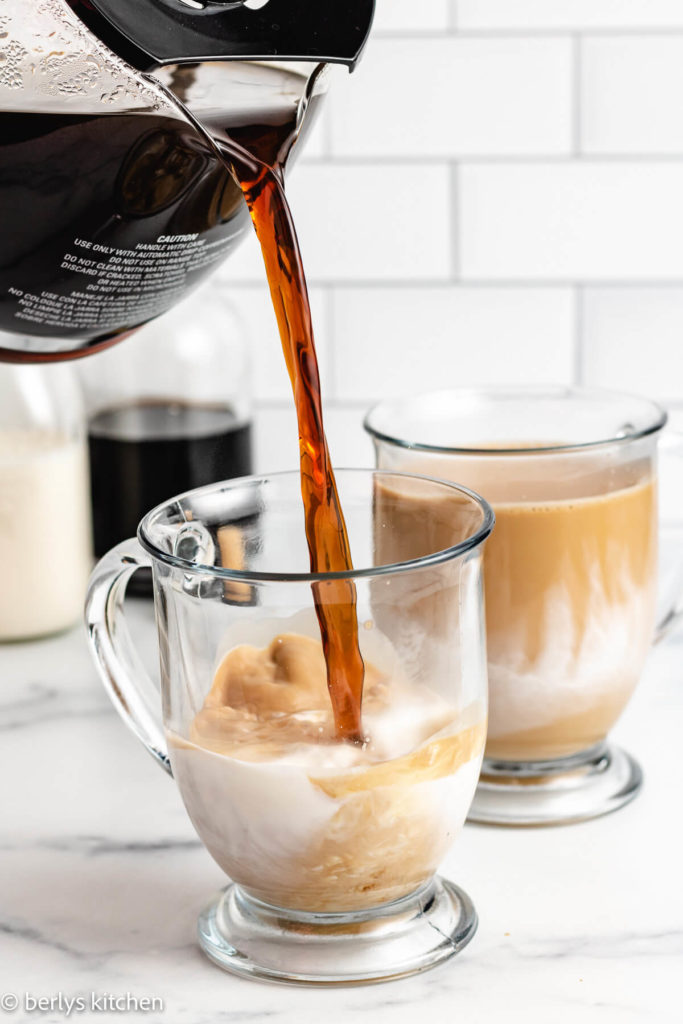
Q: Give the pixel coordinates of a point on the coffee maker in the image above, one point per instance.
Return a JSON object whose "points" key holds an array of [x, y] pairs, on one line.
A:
{"points": [[113, 204]]}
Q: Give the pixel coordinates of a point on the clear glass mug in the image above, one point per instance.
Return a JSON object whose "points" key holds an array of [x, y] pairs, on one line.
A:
{"points": [[570, 578], [331, 847]]}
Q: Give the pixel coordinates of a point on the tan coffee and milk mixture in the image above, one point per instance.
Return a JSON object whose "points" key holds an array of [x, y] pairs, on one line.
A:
{"points": [[570, 573], [568, 638], [303, 821]]}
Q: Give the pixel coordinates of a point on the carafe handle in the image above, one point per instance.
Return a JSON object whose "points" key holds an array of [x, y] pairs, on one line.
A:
{"points": [[120, 668], [152, 33]]}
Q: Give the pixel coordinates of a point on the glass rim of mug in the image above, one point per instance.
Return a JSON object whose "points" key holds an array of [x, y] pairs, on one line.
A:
{"points": [[470, 543], [656, 418]]}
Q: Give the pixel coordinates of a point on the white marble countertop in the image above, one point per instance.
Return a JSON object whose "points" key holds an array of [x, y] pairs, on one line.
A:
{"points": [[102, 878]]}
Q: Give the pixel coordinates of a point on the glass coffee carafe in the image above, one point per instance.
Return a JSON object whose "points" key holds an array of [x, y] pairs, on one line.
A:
{"points": [[115, 199]]}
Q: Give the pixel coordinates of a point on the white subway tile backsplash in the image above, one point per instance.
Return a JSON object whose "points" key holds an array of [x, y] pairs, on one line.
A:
{"points": [[486, 157], [350, 446], [269, 373], [390, 342], [631, 94], [568, 14], [245, 264], [407, 15], [572, 221], [276, 439], [359, 222], [448, 97], [316, 144], [633, 340]]}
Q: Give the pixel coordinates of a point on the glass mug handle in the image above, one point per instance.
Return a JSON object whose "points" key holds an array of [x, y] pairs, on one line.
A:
{"points": [[670, 620], [671, 444], [125, 679]]}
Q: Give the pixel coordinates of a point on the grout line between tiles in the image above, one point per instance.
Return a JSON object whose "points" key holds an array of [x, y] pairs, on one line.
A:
{"points": [[579, 352], [285, 404], [577, 90], [533, 33], [360, 404], [379, 284], [331, 352], [455, 223], [566, 159]]}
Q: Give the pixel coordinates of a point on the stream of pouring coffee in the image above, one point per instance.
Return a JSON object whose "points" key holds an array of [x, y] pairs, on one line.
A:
{"points": [[256, 154], [328, 543]]}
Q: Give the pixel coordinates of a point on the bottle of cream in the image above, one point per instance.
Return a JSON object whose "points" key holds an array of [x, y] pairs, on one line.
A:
{"points": [[45, 528]]}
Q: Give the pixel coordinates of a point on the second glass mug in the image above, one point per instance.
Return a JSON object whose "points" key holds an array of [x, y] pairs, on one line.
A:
{"points": [[331, 847], [570, 578]]}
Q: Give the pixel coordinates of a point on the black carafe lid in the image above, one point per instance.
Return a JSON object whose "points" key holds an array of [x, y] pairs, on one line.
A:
{"points": [[152, 33]]}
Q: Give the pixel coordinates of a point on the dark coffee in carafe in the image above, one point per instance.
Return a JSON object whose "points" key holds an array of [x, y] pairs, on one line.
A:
{"points": [[129, 211], [180, 184], [113, 207]]}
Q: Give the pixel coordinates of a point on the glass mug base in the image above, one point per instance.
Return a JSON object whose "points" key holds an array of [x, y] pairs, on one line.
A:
{"points": [[587, 785], [247, 937]]}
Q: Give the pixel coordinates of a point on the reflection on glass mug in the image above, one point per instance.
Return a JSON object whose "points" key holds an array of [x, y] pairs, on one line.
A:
{"points": [[570, 577], [332, 846]]}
